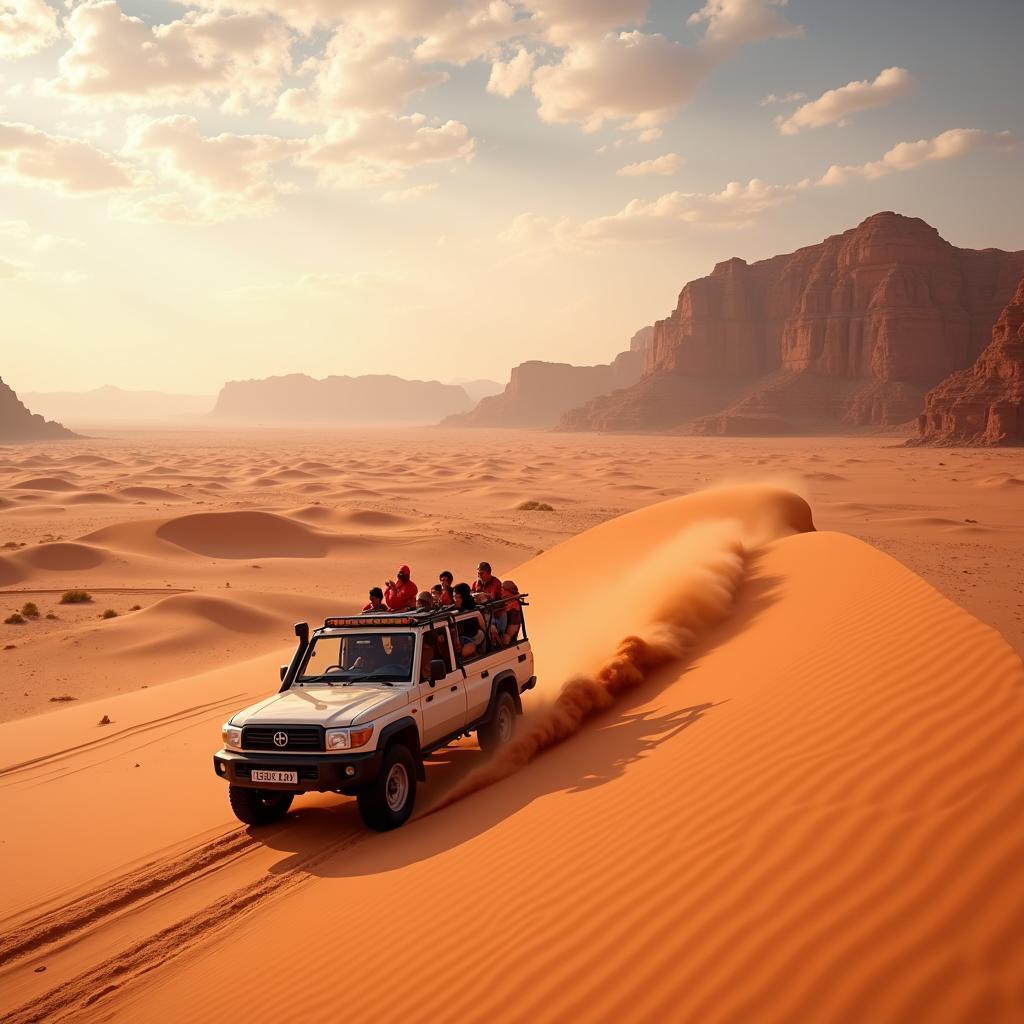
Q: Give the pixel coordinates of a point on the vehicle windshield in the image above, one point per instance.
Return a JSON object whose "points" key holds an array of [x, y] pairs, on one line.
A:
{"points": [[359, 657]]}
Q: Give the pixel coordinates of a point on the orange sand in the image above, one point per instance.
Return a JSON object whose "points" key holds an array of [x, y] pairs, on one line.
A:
{"points": [[806, 808]]}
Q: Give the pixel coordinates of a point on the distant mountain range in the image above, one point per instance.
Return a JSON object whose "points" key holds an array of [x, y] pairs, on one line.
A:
{"points": [[376, 398], [110, 404]]}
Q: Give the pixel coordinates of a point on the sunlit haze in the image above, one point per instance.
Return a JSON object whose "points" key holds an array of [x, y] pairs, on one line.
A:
{"points": [[197, 192]]}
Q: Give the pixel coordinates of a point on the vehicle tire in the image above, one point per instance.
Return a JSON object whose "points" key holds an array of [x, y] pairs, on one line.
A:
{"points": [[259, 806], [388, 801], [502, 724]]}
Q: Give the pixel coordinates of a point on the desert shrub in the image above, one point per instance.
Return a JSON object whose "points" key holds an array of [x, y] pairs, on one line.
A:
{"points": [[109, 614], [30, 610], [75, 597], [535, 506], [50, 615], [62, 699], [14, 620], [135, 608]]}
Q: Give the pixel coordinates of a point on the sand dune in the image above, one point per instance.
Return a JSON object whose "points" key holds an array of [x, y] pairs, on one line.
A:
{"points": [[809, 811]]}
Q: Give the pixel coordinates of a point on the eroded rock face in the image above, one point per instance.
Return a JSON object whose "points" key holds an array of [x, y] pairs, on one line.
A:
{"points": [[984, 404], [876, 315], [375, 398], [18, 424], [539, 393]]}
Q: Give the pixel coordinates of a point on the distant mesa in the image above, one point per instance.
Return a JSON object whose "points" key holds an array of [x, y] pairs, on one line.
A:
{"points": [[18, 424], [539, 393], [845, 334], [983, 404], [376, 398], [110, 404]]}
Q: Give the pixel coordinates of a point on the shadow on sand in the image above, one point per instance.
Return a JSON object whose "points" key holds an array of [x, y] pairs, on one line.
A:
{"points": [[598, 755]]}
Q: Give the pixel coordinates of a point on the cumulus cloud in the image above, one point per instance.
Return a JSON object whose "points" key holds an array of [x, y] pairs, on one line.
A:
{"points": [[906, 156], [508, 77], [26, 27], [32, 156], [11, 269], [356, 74], [470, 31], [834, 106], [239, 58], [567, 21], [668, 163], [231, 175], [735, 23], [772, 99], [631, 77], [379, 149]]}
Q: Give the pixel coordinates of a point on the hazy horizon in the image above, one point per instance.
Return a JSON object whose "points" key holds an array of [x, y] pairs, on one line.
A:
{"points": [[198, 192]]}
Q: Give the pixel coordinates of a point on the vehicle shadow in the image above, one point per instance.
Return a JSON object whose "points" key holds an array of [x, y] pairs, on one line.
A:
{"points": [[599, 754]]}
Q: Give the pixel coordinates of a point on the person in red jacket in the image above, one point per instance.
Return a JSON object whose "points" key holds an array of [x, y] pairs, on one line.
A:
{"points": [[486, 582], [400, 594]]}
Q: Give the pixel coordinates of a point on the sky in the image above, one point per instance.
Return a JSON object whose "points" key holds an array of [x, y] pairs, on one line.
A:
{"points": [[198, 192]]}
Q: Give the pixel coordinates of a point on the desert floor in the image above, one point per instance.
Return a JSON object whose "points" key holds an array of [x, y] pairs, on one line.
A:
{"points": [[808, 809]]}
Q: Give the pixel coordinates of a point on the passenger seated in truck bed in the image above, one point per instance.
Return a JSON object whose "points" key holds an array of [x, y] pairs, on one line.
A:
{"points": [[471, 630]]}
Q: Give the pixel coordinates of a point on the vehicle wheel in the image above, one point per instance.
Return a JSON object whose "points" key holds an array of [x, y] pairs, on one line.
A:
{"points": [[388, 801], [259, 806], [502, 726]]}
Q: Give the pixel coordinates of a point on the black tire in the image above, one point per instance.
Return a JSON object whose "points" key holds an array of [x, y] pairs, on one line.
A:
{"points": [[501, 726], [388, 801], [259, 806]]}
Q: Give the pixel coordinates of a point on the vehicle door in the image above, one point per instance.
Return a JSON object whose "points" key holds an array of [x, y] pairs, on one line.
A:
{"points": [[478, 684], [442, 702]]}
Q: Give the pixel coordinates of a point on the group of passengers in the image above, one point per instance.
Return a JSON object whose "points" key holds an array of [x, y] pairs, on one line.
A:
{"points": [[504, 621]]}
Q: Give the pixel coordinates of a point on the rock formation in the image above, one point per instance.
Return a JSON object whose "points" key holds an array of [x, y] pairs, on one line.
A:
{"points": [[376, 398], [538, 393], [985, 404], [851, 331], [18, 424], [110, 404]]}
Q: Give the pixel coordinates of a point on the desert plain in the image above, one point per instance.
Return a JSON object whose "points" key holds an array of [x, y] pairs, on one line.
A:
{"points": [[810, 811]]}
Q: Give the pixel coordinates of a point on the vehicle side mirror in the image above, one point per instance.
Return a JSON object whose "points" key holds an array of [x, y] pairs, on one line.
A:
{"points": [[284, 672], [438, 670]]}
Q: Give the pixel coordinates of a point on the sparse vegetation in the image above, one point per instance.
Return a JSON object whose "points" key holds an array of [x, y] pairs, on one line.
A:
{"points": [[105, 720], [13, 544], [30, 610], [535, 506], [62, 699], [50, 615], [14, 620], [75, 597], [135, 608], [109, 614]]}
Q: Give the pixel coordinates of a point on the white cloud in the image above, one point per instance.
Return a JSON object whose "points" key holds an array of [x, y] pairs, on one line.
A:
{"points": [[735, 23], [631, 77], [668, 163], [470, 32], [906, 156], [10, 269], [26, 27], [568, 21], [231, 175], [356, 74], [790, 97], [834, 106], [32, 156], [238, 58], [379, 149], [407, 195], [508, 77], [650, 135]]}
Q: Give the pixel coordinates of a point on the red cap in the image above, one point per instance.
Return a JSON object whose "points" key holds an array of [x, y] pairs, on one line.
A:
{"points": [[403, 570]]}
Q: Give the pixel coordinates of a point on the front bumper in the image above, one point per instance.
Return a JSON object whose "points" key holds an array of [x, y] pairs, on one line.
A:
{"points": [[317, 773]]}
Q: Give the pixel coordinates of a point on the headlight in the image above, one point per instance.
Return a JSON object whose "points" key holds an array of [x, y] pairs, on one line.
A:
{"points": [[231, 735], [347, 739]]}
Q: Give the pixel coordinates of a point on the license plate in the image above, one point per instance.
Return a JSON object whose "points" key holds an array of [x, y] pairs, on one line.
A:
{"points": [[286, 778]]}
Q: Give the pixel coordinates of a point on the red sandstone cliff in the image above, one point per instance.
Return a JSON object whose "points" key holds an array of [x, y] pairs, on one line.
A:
{"points": [[18, 424], [852, 330], [538, 393], [985, 404]]}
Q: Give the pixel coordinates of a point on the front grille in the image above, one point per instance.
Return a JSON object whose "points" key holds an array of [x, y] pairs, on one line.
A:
{"points": [[307, 772], [300, 738]]}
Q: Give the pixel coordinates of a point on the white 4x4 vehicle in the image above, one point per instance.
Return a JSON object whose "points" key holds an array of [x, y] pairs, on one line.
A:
{"points": [[365, 699]]}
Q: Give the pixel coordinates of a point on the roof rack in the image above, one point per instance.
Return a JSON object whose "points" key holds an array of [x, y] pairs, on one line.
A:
{"points": [[412, 617]]}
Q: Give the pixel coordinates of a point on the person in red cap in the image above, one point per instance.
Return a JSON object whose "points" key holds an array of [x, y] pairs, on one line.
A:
{"points": [[400, 594]]}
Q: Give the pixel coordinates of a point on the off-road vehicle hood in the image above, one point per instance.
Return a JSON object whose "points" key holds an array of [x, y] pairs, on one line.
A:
{"points": [[329, 706]]}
